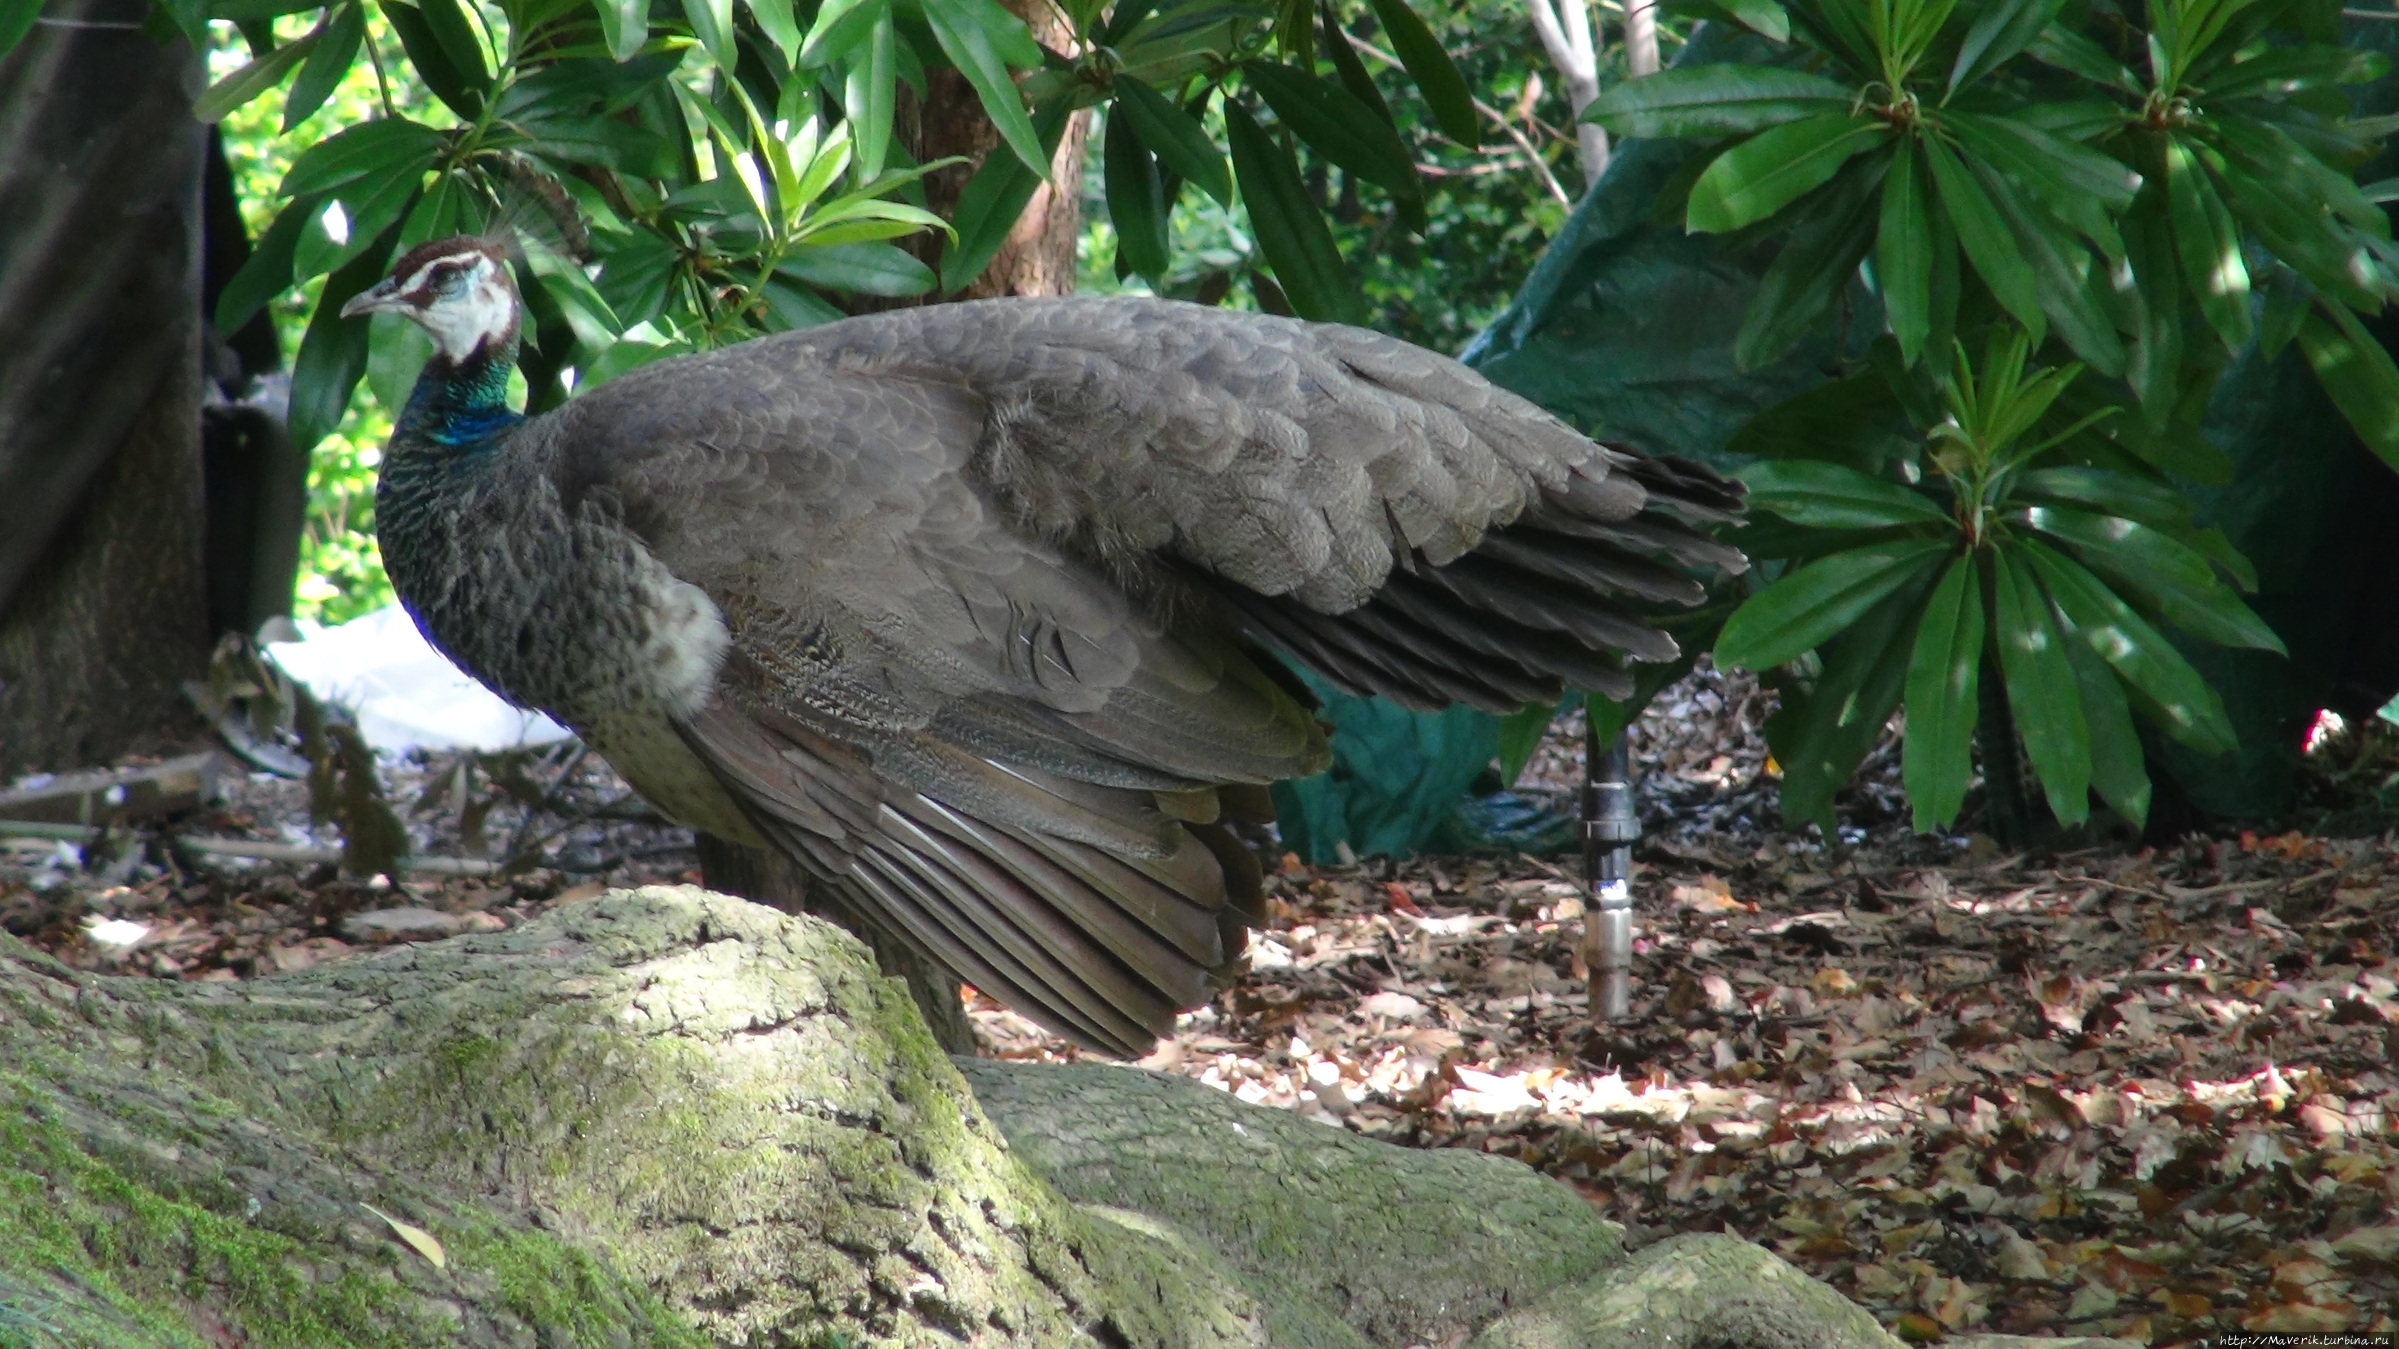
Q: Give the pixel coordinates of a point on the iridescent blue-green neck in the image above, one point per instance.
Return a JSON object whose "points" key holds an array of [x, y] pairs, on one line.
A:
{"points": [[460, 405]]}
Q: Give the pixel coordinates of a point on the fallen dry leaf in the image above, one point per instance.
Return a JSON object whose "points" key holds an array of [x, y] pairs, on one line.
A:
{"points": [[418, 1239]]}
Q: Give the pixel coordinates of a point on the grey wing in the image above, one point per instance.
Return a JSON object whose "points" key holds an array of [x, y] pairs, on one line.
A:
{"points": [[1375, 510], [980, 738]]}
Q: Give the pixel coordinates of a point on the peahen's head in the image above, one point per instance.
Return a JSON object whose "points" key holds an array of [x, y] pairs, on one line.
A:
{"points": [[458, 290]]}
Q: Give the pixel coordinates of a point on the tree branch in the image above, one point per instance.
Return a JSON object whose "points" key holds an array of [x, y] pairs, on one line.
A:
{"points": [[1565, 30], [1498, 119]]}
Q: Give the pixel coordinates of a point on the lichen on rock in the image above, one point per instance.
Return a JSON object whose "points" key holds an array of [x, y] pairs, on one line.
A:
{"points": [[671, 1118]]}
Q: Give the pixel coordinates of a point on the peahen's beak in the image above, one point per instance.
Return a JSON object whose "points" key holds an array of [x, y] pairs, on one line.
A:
{"points": [[384, 294]]}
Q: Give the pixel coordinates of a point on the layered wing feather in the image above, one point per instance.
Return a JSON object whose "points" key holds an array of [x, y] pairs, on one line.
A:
{"points": [[985, 741], [986, 570]]}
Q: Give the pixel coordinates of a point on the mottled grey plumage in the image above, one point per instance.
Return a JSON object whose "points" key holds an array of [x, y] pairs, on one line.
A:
{"points": [[957, 604]]}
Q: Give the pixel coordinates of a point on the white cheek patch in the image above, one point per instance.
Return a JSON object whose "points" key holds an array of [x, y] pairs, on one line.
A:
{"points": [[458, 326]]}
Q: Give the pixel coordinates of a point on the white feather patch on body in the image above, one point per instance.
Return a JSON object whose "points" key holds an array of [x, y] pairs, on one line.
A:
{"points": [[687, 641]]}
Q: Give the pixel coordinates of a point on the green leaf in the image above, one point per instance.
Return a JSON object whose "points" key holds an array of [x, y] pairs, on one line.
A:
{"points": [[2220, 551], [1841, 29], [1520, 734], [1829, 496], [396, 353], [832, 226], [1822, 732], [1984, 233], [871, 85], [438, 214], [2334, 258], [2085, 188], [253, 79], [983, 40], [1136, 200], [2062, 47], [1717, 99], [2119, 769], [333, 352], [1998, 33], [862, 269], [625, 25], [434, 68], [2111, 493], [2287, 301], [2280, 72], [1180, 143], [989, 207], [1812, 605], [2041, 690], [1765, 173], [1937, 758], [268, 273], [2081, 120], [775, 19], [1762, 17], [191, 17], [840, 25], [2371, 130], [2175, 446], [1347, 65], [712, 23], [2176, 580], [631, 353], [2154, 364], [17, 17], [2208, 243], [369, 206], [2185, 706], [2357, 374], [326, 65], [1830, 236], [2062, 271], [1336, 125], [1903, 252], [1290, 231], [448, 22], [634, 277], [1444, 89], [790, 307], [240, 12]]}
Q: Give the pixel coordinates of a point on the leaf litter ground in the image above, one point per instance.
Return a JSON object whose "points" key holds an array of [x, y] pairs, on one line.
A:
{"points": [[2139, 1092]]}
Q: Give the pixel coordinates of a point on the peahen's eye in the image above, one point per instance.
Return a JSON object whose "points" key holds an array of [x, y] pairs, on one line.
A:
{"points": [[449, 281]]}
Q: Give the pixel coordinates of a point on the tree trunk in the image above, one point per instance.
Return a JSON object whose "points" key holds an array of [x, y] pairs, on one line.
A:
{"points": [[1573, 44], [2007, 798], [102, 592], [1039, 256], [1640, 38], [666, 1117]]}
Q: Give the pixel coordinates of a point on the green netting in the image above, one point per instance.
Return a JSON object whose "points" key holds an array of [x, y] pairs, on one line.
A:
{"points": [[1396, 780]]}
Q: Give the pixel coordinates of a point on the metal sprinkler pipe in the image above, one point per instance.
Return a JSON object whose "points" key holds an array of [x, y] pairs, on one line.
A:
{"points": [[1610, 828]]}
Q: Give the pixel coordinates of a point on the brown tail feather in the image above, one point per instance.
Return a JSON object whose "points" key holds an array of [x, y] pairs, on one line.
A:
{"points": [[1536, 606]]}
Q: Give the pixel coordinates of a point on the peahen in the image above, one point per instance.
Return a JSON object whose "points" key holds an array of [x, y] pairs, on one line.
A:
{"points": [[978, 611]]}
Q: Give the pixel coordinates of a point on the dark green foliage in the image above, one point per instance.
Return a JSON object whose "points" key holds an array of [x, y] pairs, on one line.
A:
{"points": [[2111, 185], [1981, 149], [2050, 567], [666, 209]]}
